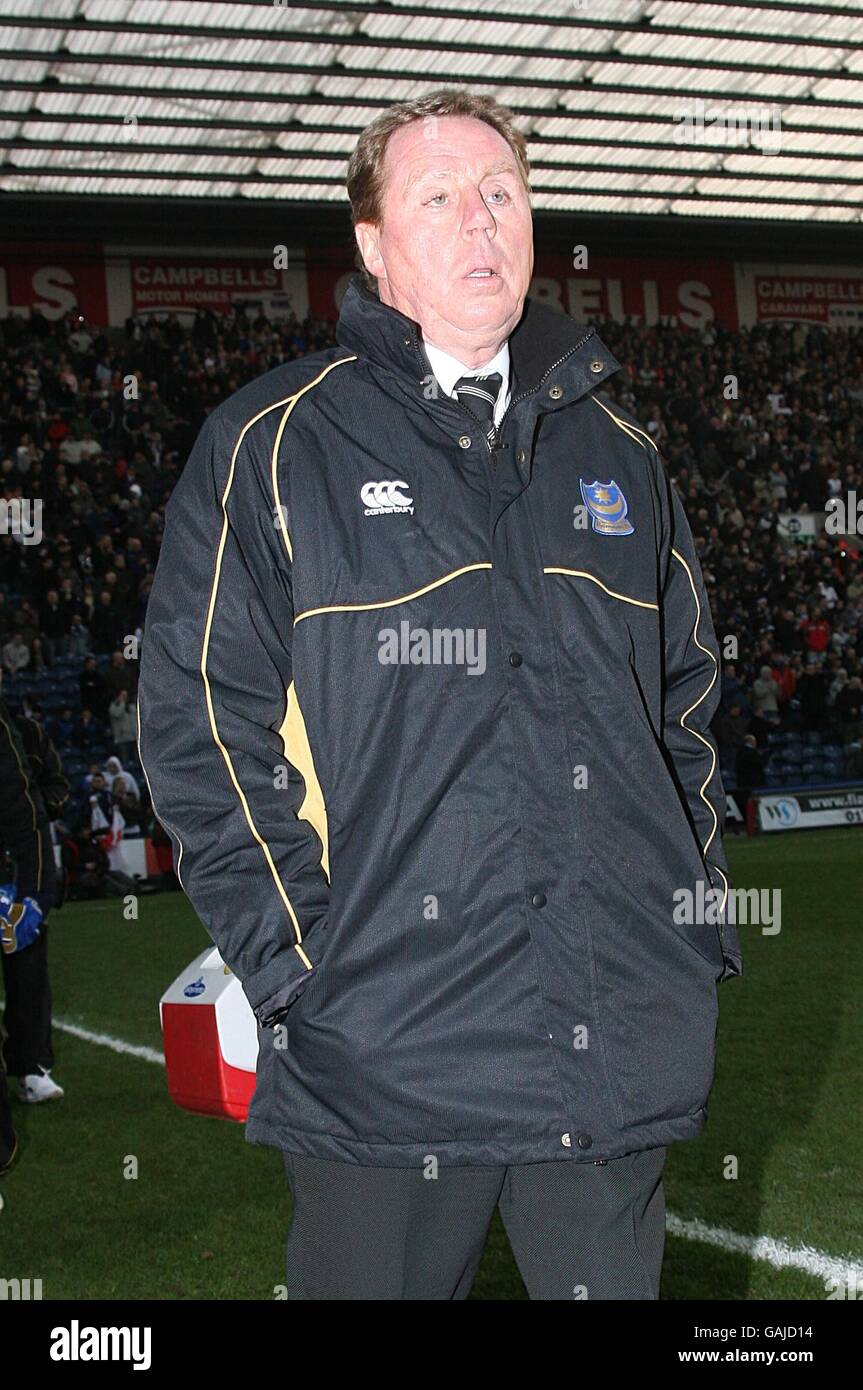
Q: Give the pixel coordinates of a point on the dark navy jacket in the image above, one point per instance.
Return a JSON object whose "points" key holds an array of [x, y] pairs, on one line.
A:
{"points": [[428, 725]]}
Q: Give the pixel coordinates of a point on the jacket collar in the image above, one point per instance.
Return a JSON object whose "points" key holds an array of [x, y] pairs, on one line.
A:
{"points": [[543, 339]]}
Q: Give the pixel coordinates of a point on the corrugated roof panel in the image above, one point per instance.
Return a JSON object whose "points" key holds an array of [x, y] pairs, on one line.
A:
{"points": [[649, 79]]}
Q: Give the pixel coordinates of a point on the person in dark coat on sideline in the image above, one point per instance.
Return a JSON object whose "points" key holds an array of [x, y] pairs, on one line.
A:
{"points": [[427, 680], [28, 889]]}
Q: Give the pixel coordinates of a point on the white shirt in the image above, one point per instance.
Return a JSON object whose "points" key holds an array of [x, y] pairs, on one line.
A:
{"points": [[448, 369]]}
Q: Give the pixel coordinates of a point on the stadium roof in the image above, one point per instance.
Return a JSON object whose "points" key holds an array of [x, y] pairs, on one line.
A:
{"points": [[260, 100]]}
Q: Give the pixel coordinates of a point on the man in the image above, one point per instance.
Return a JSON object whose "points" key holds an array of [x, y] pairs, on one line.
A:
{"points": [[26, 898], [45, 764], [425, 686], [123, 724], [16, 654], [749, 771], [94, 692]]}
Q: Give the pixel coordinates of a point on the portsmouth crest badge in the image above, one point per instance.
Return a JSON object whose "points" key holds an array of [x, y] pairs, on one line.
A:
{"points": [[608, 508]]}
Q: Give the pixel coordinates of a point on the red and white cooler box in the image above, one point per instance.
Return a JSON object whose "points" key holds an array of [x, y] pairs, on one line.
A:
{"points": [[210, 1036]]}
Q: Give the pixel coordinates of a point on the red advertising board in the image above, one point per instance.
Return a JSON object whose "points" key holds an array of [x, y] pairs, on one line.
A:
{"points": [[689, 294], [179, 282], [107, 284], [55, 278], [680, 293], [802, 294]]}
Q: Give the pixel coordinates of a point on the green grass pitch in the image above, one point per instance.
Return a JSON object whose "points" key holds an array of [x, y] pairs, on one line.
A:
{"points": [[207, 1216]]}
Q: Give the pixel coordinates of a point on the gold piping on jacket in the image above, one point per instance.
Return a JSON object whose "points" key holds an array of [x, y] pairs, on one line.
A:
{"points": [[632, 430], [280, 887], [298, 752], [283, 527], [391, 602], [694, 732], [583, 574], [26, 780]]}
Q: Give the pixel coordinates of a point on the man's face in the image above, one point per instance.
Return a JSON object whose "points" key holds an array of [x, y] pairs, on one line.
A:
{"points": [[453, 203]]}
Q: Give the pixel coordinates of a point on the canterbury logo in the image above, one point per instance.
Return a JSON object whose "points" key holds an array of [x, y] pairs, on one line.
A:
{"points": [[382, 498]]}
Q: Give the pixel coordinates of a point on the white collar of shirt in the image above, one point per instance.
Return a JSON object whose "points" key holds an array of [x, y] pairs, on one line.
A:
{"points": [[448, 369]]}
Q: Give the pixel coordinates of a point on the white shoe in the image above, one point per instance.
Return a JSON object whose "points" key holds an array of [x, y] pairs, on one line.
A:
{"points": [[39, 1086]]}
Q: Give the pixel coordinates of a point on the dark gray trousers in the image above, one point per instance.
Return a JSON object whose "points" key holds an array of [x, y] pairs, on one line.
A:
{"points": [[577, 1230]]}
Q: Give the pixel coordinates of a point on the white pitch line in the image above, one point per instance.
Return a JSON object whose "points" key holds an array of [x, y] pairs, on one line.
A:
{"points": [[773, 1252], [146, 1054], [765, 1248]]}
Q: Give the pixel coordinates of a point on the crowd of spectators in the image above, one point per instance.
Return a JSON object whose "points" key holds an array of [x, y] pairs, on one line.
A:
{"points": [[751, 424], [755, 424]]}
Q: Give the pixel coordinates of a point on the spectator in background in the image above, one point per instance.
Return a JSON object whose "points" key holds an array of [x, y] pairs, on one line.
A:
{"points": [[70, 584], [849, 709], [120, 675], [730, 731], [93, 770], [85, 863], [812, 694], [749, 769], [128, 805], [16, 655], [99, 798], [732, 690], [124, 724], [27, 621], [785, 677], [114, 769], [107, 823], [94, 694], [837, 685], [62, 728], [816, 632], [765, 698], [78, 641], [106, 625], [26, 454], [37, 656], [90, 731], [53, 624]]}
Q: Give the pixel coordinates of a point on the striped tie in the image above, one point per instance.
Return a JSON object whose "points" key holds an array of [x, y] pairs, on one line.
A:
{"points": [[479, 394]]}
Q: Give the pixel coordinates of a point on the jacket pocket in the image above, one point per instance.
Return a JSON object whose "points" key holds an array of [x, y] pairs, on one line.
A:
{"points": [[401, 935], [659, 1018]]}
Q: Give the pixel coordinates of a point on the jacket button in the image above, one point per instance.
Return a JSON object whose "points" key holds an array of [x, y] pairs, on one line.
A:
{"points": [[538, 900], [520, 456], [515, 658], [555, 392], [566, 1141], [597, 366], [464, 442], [584, 1141]]}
